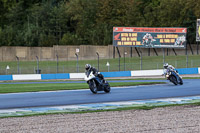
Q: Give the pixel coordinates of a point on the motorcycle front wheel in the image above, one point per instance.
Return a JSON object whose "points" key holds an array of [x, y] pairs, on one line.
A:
{"points": [[107, 88], [181, 82], [173, 80], [93, 87]]}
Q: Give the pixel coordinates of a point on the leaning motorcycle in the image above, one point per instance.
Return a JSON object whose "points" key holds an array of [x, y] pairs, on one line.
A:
{"points": [[173, 77], [95, 83]]}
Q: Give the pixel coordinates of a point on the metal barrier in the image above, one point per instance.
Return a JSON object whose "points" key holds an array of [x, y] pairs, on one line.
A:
{"points": [[106, 74]]}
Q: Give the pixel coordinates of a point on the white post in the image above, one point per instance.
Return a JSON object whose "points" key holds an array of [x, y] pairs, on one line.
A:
{"points": [[7, 68], [108, 65]]}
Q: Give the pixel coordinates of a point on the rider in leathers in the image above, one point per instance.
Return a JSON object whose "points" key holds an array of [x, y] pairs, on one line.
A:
{"points": [[96, 73], [166, 66]]}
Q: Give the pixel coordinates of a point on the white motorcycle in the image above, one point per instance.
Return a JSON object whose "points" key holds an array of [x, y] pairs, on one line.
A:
{"points": [[95, 83]]}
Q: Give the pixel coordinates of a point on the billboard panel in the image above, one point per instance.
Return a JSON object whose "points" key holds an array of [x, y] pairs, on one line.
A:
{"points": [[198, 31], [149, 37]]}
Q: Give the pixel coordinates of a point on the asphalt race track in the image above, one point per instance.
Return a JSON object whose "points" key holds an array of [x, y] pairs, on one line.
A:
{"points": [[191, 87]]}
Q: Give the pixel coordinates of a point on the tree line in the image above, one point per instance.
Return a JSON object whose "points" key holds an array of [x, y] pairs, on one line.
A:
{"points": [[88, 22]]}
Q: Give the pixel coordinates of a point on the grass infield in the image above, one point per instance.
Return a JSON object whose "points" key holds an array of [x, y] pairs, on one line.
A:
{"points": [[16, 88]]}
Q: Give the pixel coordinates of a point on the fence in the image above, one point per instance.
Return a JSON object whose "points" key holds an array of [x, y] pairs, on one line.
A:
{"points": [[117, 64]]}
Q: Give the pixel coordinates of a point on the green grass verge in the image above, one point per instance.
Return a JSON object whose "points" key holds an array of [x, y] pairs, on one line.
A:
{"points": [[118, 109], [16, 88], [141, 107], [191, 77]]}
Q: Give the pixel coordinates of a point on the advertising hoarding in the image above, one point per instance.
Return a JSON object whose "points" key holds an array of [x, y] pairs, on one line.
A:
{"points": [[149, 37]]}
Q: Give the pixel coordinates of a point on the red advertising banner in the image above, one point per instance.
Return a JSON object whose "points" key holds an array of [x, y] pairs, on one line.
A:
{"points": [[149, 37]]}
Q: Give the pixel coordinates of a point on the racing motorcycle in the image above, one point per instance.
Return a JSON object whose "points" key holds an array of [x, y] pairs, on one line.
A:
{"points": [[173, 77], [95, 83]]}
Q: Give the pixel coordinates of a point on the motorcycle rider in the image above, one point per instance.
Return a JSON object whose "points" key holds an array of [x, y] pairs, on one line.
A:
{"points": [[96, 73], [147, 39], [167, 66]]}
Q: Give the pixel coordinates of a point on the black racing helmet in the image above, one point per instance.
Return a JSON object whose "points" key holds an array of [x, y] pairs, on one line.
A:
{"points": [[87, 66]]}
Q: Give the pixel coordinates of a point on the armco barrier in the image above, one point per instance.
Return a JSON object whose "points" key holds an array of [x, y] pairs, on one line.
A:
{"points": [[117, 74], [188, 71], [76, 75], [27, 77], [55, 76], [147, 72], [6, 77], [158, 72]]}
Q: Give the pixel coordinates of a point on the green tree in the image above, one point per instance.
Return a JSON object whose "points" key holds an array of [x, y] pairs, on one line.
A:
{"points": [[82, 14], [77, 22]]}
